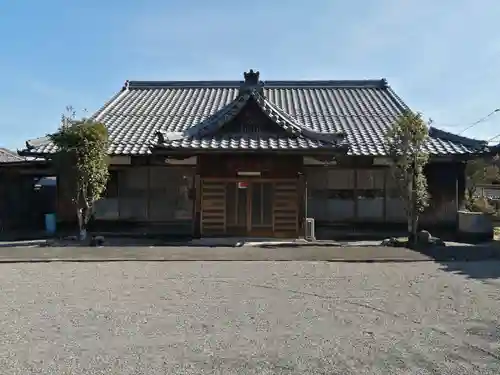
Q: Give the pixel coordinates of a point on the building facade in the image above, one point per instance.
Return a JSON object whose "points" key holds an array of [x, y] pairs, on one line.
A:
{"points": [[255, 158]]}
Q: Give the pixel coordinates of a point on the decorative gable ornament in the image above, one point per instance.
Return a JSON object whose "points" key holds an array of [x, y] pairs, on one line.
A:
{"points": [[251, 83], [165, 137], [251, 78]]}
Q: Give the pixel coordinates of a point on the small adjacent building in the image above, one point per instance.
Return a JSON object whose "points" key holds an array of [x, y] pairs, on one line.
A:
{"points": [[22, 205], [255, 158]]}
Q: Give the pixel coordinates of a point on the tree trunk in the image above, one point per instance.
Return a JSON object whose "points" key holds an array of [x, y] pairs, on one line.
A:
{"points": [[83, 220], [410, 211], [82, 231], [414, 221], [415, 227]]}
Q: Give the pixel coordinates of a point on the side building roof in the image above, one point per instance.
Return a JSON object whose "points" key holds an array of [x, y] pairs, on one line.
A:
{"points": [[8, 156]]}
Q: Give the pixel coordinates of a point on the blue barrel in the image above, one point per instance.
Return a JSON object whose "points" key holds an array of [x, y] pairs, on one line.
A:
{"points": [[50, 223]]}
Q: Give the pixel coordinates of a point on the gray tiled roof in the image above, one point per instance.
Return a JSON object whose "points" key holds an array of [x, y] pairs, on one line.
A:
{"points": [[362, 110], [7, 156]]}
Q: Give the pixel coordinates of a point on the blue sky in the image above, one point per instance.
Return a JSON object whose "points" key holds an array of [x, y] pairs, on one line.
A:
{"points": [[441, 56]]}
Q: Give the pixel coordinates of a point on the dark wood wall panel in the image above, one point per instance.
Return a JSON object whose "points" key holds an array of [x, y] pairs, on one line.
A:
{"points": [[270, 166]]}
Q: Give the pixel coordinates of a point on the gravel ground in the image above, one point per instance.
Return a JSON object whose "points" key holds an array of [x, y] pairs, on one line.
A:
{"points": [[249, 318]]}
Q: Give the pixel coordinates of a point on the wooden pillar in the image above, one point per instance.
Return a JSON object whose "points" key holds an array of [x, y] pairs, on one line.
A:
{"points": [[119, 175], [355, 194], [386, 174], [302, 202], [148, 192], [197, 207]]}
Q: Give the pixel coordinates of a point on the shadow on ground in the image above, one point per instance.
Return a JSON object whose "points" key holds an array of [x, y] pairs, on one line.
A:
{"points": [[480, 261], [474, 270]]}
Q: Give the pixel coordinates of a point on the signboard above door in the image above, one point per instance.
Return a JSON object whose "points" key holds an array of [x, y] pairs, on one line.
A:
{"points": [[254, 174]]}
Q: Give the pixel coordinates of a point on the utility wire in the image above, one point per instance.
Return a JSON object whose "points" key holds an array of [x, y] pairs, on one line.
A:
{"points": [[495, 137], [480, 121]]}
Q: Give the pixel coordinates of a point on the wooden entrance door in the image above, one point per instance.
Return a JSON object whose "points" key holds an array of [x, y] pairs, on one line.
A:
{"points": [[249, 208]]}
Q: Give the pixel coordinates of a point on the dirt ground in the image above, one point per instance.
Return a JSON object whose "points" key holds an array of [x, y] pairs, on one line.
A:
{"points": [[250, 318]]}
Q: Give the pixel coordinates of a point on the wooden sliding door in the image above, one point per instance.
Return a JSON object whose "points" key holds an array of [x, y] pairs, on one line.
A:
{"points": [[262, 208], [286, 209], [213, 208]]}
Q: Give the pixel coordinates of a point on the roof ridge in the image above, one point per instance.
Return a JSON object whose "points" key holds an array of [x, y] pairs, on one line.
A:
{"points": [[364, 83], [332, 137], [36, 142], [220, 117], [97, 115], [397, 100], [272, 110]]}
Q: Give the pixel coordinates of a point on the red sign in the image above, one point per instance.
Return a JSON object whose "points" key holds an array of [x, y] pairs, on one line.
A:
{"points": [[242, 185]]}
